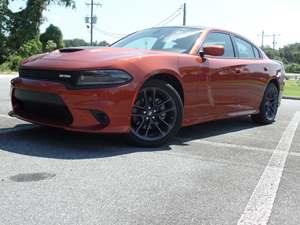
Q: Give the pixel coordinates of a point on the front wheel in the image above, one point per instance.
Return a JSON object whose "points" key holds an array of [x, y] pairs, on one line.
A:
{"points": [[156, 115], [269, 106]]}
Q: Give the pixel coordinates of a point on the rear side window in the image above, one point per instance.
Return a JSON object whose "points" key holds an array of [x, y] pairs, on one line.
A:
{"points": [[244, 49], [220, 39], [256, 53]]}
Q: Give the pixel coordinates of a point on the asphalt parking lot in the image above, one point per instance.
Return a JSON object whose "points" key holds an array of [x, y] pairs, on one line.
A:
{"points": [[224, 172]]}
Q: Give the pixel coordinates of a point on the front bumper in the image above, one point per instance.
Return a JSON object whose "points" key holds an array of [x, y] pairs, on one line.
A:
{"points": [[103, 110]]}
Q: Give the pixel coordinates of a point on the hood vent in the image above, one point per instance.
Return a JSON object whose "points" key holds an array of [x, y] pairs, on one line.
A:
{"points": [[70, 50]]}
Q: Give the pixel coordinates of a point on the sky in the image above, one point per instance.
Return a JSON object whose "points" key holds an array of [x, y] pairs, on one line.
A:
{"points": [[248, 18]]}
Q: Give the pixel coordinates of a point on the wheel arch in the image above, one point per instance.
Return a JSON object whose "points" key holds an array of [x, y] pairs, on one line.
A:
{"points": [[274, 81], [271, 81], [170, 79]]}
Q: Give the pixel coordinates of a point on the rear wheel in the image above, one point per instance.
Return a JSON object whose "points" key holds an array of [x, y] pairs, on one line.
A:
{"points": [[269, 106], [156, 115]]}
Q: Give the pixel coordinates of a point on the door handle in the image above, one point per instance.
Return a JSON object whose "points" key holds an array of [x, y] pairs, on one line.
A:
{"points": [[237, 71]]}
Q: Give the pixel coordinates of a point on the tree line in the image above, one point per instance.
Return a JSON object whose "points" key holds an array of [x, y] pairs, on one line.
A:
{"points": [[20, 35], [289, 55]]}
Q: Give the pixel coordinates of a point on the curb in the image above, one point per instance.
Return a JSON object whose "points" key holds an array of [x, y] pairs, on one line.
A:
{"points": [[291, 98]]}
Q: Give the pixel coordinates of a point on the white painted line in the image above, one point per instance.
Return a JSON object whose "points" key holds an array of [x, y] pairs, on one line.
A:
{"points": [[5, 116], [260, 205], [297, 154], [227, 145], [234, 146]]}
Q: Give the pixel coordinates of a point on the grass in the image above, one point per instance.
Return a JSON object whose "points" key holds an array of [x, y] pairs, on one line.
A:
{"points": [[7, 72], [292, 88]]}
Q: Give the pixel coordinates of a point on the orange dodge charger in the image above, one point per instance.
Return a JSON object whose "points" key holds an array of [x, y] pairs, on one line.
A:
{"points": [[150, 84]]}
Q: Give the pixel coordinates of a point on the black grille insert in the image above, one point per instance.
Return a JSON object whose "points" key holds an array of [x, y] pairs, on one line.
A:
{"points": [[42, 106], [69, 78]]}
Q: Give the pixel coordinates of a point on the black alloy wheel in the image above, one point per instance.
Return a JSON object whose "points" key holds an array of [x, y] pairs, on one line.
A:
{"points": [[269, 106], [156, 114]]}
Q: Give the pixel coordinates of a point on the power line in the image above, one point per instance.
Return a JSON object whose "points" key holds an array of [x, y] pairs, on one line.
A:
{"points": [[263, 36], [164, 22], [110, 34], [172, 19], [169, 17]]}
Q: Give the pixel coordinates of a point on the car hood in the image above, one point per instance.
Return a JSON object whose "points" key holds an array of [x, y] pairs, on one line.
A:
{"points": [[79, 58]]}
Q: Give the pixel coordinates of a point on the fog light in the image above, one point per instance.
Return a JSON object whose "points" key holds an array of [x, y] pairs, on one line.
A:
{"points": [[101, 117]]}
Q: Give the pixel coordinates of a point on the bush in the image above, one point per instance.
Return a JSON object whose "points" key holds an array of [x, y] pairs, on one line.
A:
{"points": [[292, 68], [12, 63], [30, 48]]}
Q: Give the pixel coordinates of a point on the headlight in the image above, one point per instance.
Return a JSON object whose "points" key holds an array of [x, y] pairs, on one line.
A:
{"points": [[103, 77]]}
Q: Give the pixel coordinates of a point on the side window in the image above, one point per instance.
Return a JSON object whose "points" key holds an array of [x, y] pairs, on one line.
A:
{"points": [[220, 39], [244, 49], [256, 53]]}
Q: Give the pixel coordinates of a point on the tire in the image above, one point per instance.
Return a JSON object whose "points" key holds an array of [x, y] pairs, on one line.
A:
{"points": [[268, 107], [156, 115]]}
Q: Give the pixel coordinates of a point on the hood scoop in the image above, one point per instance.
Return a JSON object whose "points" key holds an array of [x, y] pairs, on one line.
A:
{"points": [[70, 50]]}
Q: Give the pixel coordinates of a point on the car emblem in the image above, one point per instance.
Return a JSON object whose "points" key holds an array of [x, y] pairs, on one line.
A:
{"points": [[64, 76]]}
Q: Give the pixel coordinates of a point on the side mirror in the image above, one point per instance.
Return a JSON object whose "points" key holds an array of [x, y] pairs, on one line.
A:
{"points": [[213, 50]]}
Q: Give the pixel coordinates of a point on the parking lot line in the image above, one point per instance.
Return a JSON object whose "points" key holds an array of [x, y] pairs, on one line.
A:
{"points": [[5, 116], [259, 207], [227, 145]]}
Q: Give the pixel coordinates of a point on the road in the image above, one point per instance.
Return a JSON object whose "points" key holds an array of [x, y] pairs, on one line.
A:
{"points": [[225, 172]]}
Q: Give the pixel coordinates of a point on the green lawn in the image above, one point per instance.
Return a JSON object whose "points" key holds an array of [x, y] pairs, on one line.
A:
{"points": [[292, 88]]}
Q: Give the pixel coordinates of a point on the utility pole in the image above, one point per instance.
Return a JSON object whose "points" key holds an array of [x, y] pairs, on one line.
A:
{"points": [[93, 19], [263, 35], [262, 38], [184, 14], [274, 40]]}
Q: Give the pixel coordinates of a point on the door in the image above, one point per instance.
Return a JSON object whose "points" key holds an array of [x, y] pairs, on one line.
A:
{"points": [[251, 75], [222, 86]]}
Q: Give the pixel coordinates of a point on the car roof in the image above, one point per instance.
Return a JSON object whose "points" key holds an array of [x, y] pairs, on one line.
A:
{"points": [[208, 29], [192, 27], [200, 28]]}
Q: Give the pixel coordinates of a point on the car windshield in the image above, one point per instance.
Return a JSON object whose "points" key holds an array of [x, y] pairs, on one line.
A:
{"points": [[172, 39]]}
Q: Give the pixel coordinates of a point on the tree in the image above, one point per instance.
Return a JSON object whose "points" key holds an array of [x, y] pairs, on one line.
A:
{"points": [[291, 53], [271, 53], [80, 42], [75, 43], [51, 45], [23, 26], [103, 43], [3, 20], [54, 34]]}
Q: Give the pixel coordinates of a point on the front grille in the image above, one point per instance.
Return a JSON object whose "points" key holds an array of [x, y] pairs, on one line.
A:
{"points": [[51, 75], [43, 107]]}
